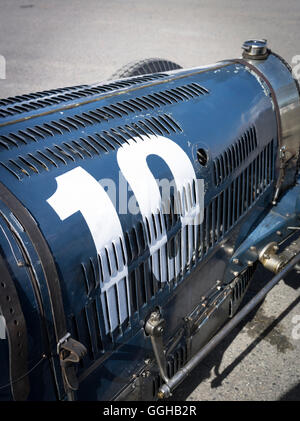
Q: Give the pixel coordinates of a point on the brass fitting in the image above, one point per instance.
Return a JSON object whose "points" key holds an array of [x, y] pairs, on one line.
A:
{"points": [[270, 260]]}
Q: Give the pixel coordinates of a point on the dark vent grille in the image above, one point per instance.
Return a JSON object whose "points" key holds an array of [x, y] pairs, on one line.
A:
{"points": [[114, 293], [88, 147], [91, 275], [145, 280], [39, 95], [105, 316], [240, 286], [171, 214], [185, 247], [98, 115], [126, 301], [48, 98], [226, 163], [87, 328], [174, 363], [242, 283], [135, 241], [231, 204], [169, 262], [140, 286]]}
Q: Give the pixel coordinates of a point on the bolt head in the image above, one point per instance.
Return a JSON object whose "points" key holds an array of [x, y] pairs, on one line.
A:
{"points": [[160, 395], [155, 315]]}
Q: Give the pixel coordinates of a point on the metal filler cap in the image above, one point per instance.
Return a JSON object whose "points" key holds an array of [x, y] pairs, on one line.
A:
{"points": [[255, 49]]}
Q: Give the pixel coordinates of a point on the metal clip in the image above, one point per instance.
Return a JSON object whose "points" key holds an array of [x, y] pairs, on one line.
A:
{"points": [[61, 341]]}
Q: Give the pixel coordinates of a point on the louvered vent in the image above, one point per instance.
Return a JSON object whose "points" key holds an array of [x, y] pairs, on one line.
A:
{"points": [[174, 363], [240, 287], [30, 102], [226, 163], [106, 315], [231, 204], [87, 147], [86, 328], [188, 246], [114, 309], [242, 283], [102, 114], [38, 95], [167, 265]]}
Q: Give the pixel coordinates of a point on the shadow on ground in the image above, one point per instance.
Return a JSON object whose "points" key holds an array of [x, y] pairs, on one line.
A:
{"points": [[292, 395]]}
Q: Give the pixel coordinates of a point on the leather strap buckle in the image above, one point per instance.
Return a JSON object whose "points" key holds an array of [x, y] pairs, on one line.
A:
{"points": [[70, 352]]}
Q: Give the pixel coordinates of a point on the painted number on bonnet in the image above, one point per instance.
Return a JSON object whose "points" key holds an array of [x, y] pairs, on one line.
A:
{"points": [[77, 190]]}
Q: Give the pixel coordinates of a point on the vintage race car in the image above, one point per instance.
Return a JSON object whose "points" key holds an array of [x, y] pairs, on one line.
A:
{"points": [[133, 215]]}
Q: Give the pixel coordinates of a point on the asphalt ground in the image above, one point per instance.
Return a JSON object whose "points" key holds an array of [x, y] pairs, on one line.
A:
{"points": [[56, 43]]}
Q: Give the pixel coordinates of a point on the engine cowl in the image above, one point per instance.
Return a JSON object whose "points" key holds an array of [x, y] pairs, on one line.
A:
{"points": [[89, 239]]}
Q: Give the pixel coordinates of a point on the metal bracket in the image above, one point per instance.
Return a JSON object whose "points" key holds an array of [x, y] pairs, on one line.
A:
{"points": [[154, 328]]}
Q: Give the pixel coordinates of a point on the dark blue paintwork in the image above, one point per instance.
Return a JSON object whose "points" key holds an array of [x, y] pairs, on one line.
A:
{"points": [[235, 100]]}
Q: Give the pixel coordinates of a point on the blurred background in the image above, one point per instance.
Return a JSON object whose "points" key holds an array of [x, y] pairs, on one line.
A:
{"points": [[56, 43]]}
